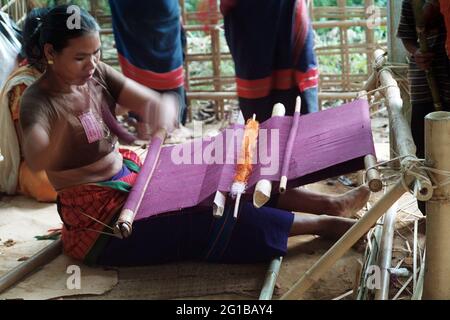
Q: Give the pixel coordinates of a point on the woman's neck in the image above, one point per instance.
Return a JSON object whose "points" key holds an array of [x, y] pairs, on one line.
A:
{"points": [[55, 83]]}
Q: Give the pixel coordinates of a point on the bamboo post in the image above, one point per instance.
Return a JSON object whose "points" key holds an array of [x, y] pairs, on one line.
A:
{"points": [[385, 256], [396, 50], [215, 50], [437, 151], [41, 258], [370, 34], [271, 279], [347, 241]]}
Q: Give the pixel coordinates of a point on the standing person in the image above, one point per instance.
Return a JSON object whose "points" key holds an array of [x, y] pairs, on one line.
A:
{"points": [[149, 43], [272, 45], [15, 174], [63, 134], [420, 62]]}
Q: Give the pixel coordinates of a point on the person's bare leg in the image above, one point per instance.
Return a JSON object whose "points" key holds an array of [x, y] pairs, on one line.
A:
{"points": [[322, 225], [344, 205]]}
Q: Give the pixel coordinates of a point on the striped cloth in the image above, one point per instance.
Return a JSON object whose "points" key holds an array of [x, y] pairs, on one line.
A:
{"points": [[79, 207], [149, 43], [271, 43], [421, 98]]}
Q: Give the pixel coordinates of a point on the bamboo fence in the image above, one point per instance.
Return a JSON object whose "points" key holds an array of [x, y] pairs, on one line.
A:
{"points": [[16, 9], [218, 85]]}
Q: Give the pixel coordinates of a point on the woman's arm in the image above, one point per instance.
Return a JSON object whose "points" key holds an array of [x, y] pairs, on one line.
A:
{"points": [[36, 147], [157, 110]]}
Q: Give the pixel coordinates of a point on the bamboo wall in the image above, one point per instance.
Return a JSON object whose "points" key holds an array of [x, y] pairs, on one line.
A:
{"points": [[216, 81], [339, 20], [17, 9]]}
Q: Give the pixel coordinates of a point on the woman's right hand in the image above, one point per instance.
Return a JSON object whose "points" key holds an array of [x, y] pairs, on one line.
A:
{"points": [[165, 114]]}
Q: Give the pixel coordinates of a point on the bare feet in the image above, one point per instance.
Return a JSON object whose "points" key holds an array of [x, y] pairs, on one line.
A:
{"points": [[336, 227], [348, 204]]}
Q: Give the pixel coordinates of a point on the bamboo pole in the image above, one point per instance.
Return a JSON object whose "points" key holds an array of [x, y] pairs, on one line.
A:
{"points": [[370, 34], [404, 143], [370, 161], [363, 290], [41, 258], [124, 224], [417, 294], [347, 241], [396, 50], [372, 174], [289, 146], [385, 256], [437, 151], [271, 279]]}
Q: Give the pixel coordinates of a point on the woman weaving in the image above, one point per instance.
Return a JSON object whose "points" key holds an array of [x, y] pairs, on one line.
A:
{"points": [[64, 134]]}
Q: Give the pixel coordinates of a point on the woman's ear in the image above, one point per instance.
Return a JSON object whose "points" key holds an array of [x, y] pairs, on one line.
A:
{"points": [[49, 53]]}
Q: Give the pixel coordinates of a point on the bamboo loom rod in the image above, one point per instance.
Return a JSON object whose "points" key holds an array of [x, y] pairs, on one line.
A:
{"points": [[290, 145], [437, 153], [124, 224], [404, 143], [41, 258], [271, 279], [312, 275], [370, 161], [385, 256]]}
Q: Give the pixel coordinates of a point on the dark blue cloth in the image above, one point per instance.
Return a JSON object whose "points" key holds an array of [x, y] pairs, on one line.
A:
{"points": [[122, 173], [263, 43], [194, 234], [147, 33]]}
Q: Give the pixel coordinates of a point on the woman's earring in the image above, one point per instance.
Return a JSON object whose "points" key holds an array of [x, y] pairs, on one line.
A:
{"points": [[50, 61]]}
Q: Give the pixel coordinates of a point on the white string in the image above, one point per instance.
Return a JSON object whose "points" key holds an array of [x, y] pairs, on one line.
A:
{"points": [[98, 221], [413, 168]]}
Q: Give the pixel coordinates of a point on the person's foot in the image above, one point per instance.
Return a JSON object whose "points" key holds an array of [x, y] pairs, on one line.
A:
{"points": [[336, 227], [349, 203]]}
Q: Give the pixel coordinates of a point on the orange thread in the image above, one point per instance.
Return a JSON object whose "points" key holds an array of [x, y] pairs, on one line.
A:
{"points": [[244, 166]]}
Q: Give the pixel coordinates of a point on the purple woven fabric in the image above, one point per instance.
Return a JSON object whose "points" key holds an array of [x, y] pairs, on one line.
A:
{"points": [[328, 143]]}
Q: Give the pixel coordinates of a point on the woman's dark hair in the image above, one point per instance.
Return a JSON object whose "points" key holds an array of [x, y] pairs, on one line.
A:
{"points": [[55, 26]]}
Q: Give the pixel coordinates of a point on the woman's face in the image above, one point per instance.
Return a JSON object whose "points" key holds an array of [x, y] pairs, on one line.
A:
{"points": [[76, 63]]}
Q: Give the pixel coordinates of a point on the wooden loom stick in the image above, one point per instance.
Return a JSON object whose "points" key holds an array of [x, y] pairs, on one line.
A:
{"points": [[123, 226], [41, 258], [289, 146], [263, 188]]}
